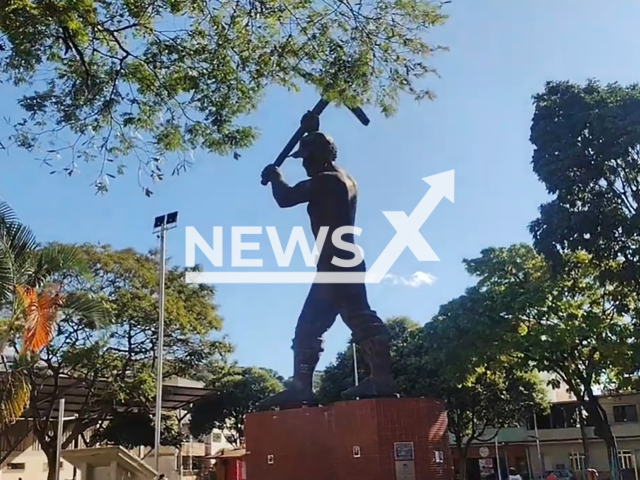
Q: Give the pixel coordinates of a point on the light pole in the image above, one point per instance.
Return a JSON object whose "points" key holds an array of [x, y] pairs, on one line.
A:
{"points": [[59, 436], [355, 364], [537, 437], [498, 460], [161, 225]]}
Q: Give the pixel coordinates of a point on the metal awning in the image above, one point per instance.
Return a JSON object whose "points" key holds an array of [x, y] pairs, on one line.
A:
{"points": [[228, 453], [176, 394]]}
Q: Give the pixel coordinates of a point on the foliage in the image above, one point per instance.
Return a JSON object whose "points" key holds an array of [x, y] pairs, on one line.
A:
{"points": [[231, 399], [575, 325], [136, 428], [114, 81], [114, 362], [31, 306], [484, 389], [587, 153]]}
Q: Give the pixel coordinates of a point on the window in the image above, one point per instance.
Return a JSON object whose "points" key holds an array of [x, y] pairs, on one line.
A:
{"points": [[625, 413], [216, 437], [15, 466], [577, 461], [625, 457]]}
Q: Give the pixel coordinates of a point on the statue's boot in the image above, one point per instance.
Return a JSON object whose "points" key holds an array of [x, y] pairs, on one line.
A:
{"points": [[300, 392], [380, 383]]}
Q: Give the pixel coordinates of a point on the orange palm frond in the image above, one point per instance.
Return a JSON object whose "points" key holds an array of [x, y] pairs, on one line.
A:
{"points": [[39, 313]]}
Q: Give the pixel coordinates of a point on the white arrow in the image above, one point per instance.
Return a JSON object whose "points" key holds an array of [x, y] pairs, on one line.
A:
{"points": [[408, 228]]}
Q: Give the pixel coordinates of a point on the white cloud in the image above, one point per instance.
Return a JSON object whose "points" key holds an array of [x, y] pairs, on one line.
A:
{"points": [[417, 279]]}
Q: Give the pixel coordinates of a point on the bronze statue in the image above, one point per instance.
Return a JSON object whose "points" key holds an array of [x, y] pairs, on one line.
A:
{"points": [[331, 195]]}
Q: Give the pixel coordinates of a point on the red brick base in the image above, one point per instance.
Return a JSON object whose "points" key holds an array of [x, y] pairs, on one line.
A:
{"points": [[357, 440]]}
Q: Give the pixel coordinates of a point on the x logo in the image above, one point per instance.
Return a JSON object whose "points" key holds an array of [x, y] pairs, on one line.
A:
{"points": [[408, 227]]}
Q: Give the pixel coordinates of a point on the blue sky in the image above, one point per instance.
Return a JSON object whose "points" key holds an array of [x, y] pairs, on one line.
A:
{"points": [[501, 53]]}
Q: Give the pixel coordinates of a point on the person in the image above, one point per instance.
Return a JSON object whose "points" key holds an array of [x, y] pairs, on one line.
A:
{"points": [[513, 474], [592, 474], [331, 196], [551, 476]]}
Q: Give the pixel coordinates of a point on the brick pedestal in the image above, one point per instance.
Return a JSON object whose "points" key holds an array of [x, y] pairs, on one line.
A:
{"points": [[379, 439]]}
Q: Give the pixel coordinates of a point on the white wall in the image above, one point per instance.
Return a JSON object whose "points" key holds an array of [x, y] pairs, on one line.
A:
{"points": [[35, 467]]}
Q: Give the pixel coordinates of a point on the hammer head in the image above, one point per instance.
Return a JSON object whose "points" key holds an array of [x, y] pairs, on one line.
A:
{"points": [[360, 115]]}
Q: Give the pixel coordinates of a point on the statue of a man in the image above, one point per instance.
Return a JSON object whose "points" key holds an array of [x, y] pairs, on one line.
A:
{"points": [[330, 194]]}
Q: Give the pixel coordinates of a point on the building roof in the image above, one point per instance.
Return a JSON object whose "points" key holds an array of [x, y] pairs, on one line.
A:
{"points": [[229, 453], [177, 393]]}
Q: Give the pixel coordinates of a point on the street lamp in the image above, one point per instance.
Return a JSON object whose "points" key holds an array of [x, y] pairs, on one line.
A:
{"points": [[537, 438], [355, 363], [60, 432], [161, 225]]}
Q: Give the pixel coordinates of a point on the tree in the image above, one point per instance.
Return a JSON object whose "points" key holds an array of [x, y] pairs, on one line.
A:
{"points": [[484, 390], [232, 398], [575, 324], [112, 366], [587, 153], [131, 429], [110, 82], [31, 306]]}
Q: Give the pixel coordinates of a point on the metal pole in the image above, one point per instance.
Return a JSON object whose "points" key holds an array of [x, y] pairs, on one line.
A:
{"points": [[535, 426], [355, 363], [59, 437], [163, 234], [181, 445], [498, 460]]}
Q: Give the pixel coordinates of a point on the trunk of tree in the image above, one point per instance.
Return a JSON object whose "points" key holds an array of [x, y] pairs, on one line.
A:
{"points": [[585, 441], [602, 429], [463, 452], [51, 462], [48, 446]]}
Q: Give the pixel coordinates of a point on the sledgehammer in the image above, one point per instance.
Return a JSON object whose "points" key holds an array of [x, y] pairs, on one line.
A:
{"points": [[318, 109]]}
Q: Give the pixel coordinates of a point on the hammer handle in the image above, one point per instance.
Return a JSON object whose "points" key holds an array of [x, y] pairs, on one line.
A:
{"points": [[318, 109]]}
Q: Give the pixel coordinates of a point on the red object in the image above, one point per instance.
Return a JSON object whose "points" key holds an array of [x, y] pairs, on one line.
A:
{"points": [[234, 469], [229, 464], [351, 441]]}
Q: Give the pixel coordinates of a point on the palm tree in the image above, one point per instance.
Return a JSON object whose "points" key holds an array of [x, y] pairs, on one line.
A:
{"points": [[30, 305]]}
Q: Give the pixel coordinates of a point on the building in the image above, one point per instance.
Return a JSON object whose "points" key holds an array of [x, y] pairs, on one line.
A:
{"points": [[561, 441]]}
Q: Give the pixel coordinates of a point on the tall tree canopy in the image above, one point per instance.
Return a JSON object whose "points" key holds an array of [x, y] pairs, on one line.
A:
{"points": [[111, 81], [587, 153], [576, 324], [484, 390]]}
